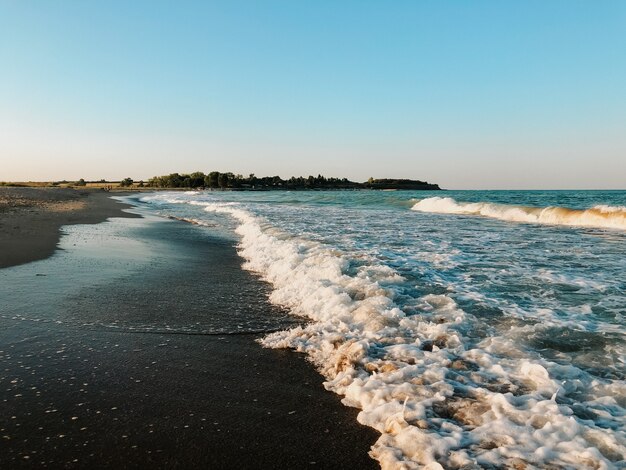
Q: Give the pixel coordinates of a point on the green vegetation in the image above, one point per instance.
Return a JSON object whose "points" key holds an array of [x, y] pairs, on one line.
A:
{"points": [[399, 184], [231, 181], [217, 180]]}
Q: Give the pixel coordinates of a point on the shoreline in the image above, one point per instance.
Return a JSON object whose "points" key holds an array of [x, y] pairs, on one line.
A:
{"points": [[31, 219], [82, 388]]}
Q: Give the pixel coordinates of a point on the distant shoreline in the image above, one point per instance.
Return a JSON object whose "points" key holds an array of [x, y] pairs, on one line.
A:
{"points": [[116, 188], [229, 181]]}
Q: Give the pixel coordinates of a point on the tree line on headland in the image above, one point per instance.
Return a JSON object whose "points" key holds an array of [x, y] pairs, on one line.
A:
{"points": [[233, 182], [217, 180]]}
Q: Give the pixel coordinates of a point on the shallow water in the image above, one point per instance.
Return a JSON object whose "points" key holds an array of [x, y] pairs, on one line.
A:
{"points": [[472, 328], [120, 275]]}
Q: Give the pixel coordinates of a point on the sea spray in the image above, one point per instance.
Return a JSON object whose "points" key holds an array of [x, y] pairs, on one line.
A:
{"points": [[376, 357], [438, 393]]}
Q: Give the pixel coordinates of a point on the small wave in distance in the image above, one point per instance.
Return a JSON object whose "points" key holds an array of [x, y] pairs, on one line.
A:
{"points": [[601, 216]]}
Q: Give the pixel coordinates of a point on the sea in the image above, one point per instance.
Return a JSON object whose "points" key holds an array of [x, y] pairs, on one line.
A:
{"points": [[472, 329]]}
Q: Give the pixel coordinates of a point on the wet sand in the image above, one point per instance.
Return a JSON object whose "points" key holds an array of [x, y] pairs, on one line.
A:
{"points": [[30, 219], [111, 356]]}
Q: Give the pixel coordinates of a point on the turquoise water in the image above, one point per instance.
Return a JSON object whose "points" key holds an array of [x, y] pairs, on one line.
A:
{"points": [[471, 327]]}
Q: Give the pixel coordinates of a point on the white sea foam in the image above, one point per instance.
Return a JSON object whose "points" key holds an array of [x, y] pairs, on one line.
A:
{"points": [[598, 216], [437, 399]]}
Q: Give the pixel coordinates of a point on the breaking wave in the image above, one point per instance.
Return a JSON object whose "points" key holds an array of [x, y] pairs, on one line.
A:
{"points": [[601, 216], [438, 398]]}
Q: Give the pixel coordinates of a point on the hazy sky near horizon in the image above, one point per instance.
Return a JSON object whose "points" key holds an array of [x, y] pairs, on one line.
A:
{"points": [[484, 94]]}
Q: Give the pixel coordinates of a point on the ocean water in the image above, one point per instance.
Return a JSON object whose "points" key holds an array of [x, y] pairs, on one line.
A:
{"points": [[473, 329]]}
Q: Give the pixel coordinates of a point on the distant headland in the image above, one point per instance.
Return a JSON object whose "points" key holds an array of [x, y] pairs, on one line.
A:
{"points": [[237, 182], [217, 180]]}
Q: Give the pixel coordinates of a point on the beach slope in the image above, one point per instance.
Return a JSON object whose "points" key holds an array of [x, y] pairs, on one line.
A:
{"points": [[135, 345], [31, 218]]}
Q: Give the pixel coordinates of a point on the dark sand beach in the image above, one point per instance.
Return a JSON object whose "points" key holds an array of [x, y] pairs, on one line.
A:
{"points": [[30, 219], [134, 346]]}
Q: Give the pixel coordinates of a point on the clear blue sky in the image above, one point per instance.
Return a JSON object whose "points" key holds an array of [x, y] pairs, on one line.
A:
{"points": [[468, 94]]}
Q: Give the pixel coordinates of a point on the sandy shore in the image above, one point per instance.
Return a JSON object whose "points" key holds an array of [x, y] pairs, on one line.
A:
{"points": [[30, 219], [111, 354]]}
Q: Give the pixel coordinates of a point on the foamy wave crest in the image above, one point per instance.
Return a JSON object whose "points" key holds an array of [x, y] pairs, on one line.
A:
{"points": [[598, 216], [437, 399]]}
